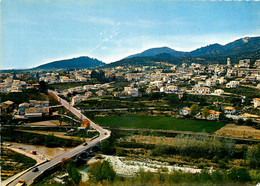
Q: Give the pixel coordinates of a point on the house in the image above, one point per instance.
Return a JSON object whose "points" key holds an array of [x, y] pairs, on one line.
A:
{"points": [[213, 115], [256, 102], [184, 111], [133, 92], [6, 107], [157, 83], [101, 93], [232, 84], [22, 108], [210, 82], [88, 87], [3, 88], [200, 91], [36, 111], [229, 110], [244, 63], [257, 63], [88, 94], [219, 92], [171, 88], [65, 79], [76, 99], [200, 84]]}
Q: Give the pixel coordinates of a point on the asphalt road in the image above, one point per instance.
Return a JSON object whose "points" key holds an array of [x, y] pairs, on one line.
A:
{"points": [[30, 176]]}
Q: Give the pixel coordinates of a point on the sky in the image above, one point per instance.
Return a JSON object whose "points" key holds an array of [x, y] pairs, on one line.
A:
{"points": [[36, 32]]}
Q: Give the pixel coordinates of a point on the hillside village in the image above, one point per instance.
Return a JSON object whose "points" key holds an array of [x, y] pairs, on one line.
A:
{"points": [[150, 110], [139, 81]]}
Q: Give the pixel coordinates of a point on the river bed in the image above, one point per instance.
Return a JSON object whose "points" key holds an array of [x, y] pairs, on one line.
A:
{"points": [[50, 153]]}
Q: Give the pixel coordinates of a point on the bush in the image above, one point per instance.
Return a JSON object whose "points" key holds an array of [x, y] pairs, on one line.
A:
{"points": [[240, 121], [240, 175], [99, 172], [107, 147]]}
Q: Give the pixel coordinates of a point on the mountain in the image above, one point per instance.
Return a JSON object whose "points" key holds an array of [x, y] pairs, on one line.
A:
{"points": [[207, 50], [156, 51], [247, 47], [74, 63]]}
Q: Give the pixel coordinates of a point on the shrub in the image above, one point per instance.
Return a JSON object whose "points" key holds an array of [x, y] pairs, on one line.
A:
{"points": [[102, 171], [240, 175]]}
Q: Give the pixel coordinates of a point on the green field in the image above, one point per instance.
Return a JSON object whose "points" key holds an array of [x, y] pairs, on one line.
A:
{"points": [[157, 122]]}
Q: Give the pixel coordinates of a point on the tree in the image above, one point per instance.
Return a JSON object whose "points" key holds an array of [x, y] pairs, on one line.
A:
{"points": [[241, 175], [205, 112], [240, 121], [74, 174], [107, 147], [249, 122], [43, 86], [253, 155], [101, 171], [194, 109]]}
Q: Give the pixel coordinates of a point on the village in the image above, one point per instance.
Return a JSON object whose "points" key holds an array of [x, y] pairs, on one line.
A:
{"points": [[193, 79]]}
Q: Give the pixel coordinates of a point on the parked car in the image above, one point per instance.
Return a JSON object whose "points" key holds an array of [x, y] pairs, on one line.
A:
{"points": [[85, 144]]}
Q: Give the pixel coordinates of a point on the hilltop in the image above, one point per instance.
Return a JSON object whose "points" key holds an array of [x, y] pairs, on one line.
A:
{"points": [[74, 63]]}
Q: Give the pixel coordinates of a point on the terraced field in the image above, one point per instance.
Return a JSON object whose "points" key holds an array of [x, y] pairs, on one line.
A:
{"points": [[13, 163]]}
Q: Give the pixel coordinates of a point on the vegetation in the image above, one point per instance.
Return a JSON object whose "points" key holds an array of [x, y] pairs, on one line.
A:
{"points": [[156, 122], [99, 172], [25, 96], [36, 139], [73, 172], [74, 63], [13, 163]]}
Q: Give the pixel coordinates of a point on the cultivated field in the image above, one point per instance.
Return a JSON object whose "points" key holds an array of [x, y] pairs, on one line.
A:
{"points": [[239, 131], [157, 122], [155, 140], [13, 163], [47, 123]]}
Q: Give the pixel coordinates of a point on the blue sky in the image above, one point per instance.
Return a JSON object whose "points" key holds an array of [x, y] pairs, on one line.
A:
{"points": [[36, 32]]}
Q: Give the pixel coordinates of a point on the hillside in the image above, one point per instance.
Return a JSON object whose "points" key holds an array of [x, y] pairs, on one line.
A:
{"points": [[248, 47], [74, 63], [156, 51]]}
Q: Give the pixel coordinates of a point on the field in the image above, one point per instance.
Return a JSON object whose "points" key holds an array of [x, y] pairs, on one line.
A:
{"points": [[155, 140], [239, 131], [13, 163], [157, 122]]}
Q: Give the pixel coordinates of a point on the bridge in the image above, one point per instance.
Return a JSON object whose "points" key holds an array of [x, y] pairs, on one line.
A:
{"points": [[30, 176]]}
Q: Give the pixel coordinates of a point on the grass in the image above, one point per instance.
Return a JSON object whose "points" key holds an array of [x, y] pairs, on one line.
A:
{"points": [[158, 122]]}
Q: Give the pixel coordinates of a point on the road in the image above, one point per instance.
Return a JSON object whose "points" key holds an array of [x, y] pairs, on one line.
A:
{"points": [[30, 176]]}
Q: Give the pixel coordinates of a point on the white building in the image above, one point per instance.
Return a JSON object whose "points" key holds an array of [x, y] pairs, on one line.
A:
{"points": [[219, 92], [156, 83], [76, 99], [133, 92], [171, 88], [244, 63], [232, 84], [229, 110], [200, 91], [184, 111], [256, 102]]}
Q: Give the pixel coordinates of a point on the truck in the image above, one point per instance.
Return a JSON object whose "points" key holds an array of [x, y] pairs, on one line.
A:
{"points": [[20, 182]]}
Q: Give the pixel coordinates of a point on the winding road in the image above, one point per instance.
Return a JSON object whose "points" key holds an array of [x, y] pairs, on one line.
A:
{"points": [[30, 176]]}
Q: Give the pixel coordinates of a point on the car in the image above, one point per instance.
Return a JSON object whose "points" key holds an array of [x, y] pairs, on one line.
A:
{"points": [[105, 133], [35, 169], [85, 144]]}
